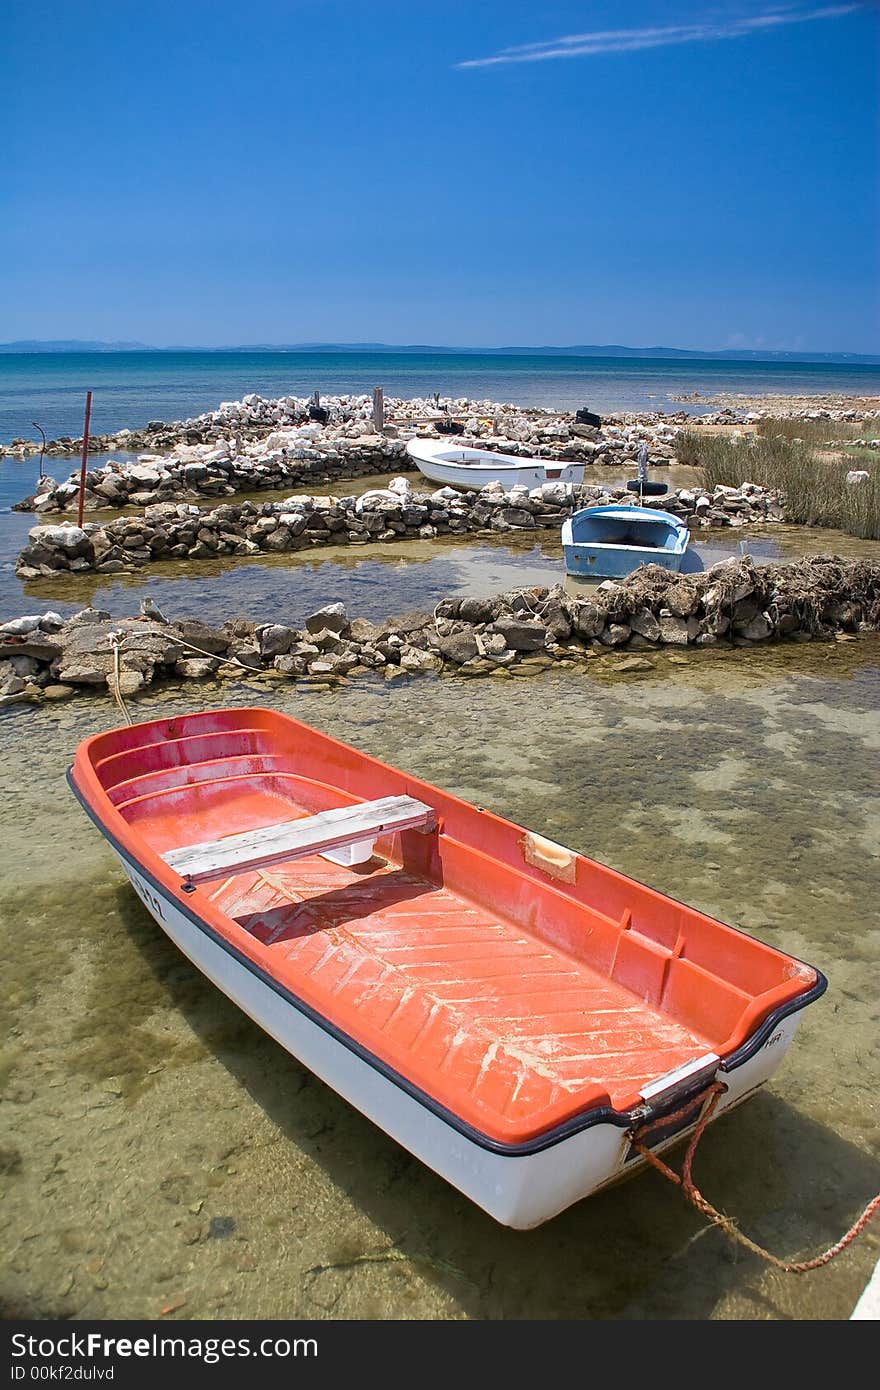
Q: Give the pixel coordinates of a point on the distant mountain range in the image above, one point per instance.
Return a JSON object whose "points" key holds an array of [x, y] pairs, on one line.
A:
{"points": [[72, 345], [33, 345]]}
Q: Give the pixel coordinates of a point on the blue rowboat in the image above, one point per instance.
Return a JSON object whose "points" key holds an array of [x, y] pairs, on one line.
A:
{"points": [[611, 542]]}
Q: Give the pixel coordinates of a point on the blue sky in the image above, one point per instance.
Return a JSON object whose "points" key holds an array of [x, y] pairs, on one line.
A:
{"points": [[684, 173]]}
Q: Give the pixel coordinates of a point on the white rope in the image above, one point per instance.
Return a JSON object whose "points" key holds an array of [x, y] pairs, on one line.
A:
{"points": [[224, 660], [116, 640]]}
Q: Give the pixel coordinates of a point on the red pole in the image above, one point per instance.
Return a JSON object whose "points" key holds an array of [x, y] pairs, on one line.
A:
{"points": [[85, 457]]}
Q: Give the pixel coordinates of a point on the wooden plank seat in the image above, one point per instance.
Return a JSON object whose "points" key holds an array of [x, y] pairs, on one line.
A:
{"points": [[325, 833]]}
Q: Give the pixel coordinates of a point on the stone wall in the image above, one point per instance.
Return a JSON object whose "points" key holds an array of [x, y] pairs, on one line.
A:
{"points": [[222, 473], [176, 531], [247, 422], [267, 465], [43, 657], [254, 444]]}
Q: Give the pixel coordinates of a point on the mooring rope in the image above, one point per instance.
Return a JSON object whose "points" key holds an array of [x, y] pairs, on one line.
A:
{"points": [[223, 660], [116, 640], [728, 1225]]}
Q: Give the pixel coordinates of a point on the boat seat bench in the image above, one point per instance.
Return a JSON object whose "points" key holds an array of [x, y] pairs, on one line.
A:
{"points": [[323, 833]]}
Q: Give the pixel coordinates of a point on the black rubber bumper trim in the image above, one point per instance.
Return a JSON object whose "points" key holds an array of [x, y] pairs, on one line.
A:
{"points": [[761, 1034], [557, 1135]]}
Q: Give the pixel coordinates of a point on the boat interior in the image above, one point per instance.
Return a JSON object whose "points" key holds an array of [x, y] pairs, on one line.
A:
{"points": [[515, 982], [644, 529]]}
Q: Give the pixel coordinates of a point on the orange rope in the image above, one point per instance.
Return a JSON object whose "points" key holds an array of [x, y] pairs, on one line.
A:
{"points": [[727, 1224]]}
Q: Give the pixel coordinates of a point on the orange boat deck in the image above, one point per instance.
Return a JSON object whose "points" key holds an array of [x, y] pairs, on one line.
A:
{"points": [[514, 1001], [520, 1025]]}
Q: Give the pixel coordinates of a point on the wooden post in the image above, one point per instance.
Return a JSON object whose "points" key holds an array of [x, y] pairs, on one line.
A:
{"points": [[85, 459], [378, 409], [316, 398]]}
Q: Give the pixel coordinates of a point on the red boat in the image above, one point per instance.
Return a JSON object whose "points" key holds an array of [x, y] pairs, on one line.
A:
{"points": [[510, 1011]]}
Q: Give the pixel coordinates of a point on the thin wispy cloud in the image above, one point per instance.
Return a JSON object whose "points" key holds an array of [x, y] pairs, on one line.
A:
{"points": [[599, 41]]}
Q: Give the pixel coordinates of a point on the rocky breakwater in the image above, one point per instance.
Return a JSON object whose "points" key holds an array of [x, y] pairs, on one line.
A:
{"points": [[559, 438], [179, 531], [741, 408], [285, 459], [254, 418], [248, 420], [254, 444], [43, 657]]}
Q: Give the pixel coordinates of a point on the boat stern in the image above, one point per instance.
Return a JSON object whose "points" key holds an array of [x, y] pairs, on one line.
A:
{"points": [[615, 562]]}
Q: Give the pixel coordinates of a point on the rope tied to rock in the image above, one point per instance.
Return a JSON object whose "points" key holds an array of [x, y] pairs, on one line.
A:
{"points": [[116, 640], [728, 1224], [212, 656]]}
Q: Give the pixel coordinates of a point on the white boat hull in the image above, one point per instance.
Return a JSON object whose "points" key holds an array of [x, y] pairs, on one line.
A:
{"points": [[519, 1188], [471, 469]]}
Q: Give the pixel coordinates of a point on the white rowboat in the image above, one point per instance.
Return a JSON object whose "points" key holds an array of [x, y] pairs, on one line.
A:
{"points": [[444, 461], [514, 1014]]}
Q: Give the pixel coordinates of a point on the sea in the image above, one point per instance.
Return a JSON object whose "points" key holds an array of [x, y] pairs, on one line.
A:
{"points": [[130, 389]]}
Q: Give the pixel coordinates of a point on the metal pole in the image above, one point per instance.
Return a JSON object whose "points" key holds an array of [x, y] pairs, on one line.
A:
{"points": [[643, 472], [85, 458], [42, 446]]}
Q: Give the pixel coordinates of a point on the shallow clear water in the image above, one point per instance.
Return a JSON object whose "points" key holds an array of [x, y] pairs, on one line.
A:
{"points": [[18, 480], [377, 581], [161, 1151]]}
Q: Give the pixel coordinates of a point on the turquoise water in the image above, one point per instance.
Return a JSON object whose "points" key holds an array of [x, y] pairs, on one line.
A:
{"points": [[132, 388]]}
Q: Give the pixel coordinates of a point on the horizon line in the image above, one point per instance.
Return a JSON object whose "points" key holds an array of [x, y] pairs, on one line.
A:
{"points": [[74, 345]]}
